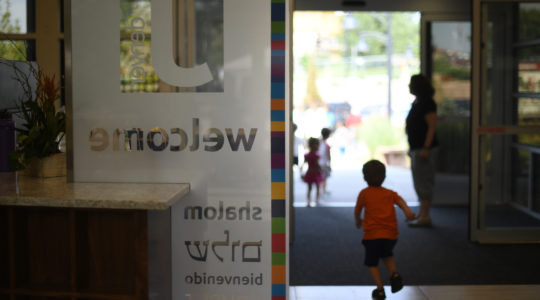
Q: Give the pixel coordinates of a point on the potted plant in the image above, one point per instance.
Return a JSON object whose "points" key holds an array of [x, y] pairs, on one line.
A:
{"points": [[37, 151]]}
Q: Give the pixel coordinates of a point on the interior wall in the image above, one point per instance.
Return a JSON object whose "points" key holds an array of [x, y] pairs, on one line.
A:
{"points": [[425, 6]]}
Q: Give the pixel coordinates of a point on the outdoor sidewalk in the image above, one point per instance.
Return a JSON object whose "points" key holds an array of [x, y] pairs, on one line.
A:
{"points": [[346, 182]]}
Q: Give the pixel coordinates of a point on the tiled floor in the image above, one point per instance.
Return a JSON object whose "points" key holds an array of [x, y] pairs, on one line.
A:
{"points": [[468, 292]]}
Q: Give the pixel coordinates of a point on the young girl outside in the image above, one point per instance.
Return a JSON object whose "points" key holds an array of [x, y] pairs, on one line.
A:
{"points": [[314, 173]]}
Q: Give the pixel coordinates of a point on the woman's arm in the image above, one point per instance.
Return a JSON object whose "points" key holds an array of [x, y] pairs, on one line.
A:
{"points": [[431, 120], [405, 208]]}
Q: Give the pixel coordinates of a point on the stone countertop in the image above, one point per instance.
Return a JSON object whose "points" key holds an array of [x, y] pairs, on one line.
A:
{"points": [[19, 190]]}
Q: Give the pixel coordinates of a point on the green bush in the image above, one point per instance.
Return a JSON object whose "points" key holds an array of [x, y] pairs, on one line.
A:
{"points": [[378, 132]]}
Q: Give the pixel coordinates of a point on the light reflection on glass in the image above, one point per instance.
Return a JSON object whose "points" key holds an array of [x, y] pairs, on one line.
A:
{"points": [[528, 112], [529, 139], [529, 14], [198, 40], [520, 176], [529, 70], [451, 54]]}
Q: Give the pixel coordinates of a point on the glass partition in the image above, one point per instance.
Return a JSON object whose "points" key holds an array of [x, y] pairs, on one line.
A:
{"points": [[506, 184], [449, 65], [197, 39], [451, 77]]}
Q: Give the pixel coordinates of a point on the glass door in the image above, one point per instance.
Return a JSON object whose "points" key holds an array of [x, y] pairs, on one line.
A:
{"points": [[446, 47], [505, 144]]}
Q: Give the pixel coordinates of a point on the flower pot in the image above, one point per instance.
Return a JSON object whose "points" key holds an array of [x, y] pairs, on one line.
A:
{"points": [[50, 166]]}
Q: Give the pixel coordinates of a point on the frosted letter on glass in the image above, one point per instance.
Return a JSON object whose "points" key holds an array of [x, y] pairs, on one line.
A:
{"points": [[162, 51]]}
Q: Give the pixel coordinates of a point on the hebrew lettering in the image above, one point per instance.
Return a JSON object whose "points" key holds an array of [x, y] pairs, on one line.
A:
{"points": [[251, 244], [221, 244], [201, 257], [234, 244]]}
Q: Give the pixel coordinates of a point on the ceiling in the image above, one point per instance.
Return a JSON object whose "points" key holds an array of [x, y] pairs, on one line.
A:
{"points": [[428, 6]]}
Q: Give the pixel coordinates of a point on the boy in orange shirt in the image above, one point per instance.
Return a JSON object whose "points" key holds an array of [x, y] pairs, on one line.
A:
{"points": [[380, 225]]}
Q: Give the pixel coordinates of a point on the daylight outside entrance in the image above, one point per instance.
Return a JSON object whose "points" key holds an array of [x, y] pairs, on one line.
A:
{"points": [[351, 75]]}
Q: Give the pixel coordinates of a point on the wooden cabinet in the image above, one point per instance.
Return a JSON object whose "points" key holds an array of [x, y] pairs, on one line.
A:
{"points": [[71, 253], [85, 241]]}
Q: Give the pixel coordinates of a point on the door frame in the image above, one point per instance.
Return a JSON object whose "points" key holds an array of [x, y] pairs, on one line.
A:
{"points": [[478, 232]]}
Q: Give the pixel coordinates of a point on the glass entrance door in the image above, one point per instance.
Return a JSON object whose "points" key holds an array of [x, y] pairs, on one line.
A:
{"points": [[446, 43], [505, 144]]}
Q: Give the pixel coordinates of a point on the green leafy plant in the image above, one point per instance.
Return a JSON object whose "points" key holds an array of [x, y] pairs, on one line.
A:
{"points": [[378, 132], [44, 126]]}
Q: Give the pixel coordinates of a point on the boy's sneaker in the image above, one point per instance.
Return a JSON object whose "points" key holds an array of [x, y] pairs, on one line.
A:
{"points": [[378, 294], [396, 282]]}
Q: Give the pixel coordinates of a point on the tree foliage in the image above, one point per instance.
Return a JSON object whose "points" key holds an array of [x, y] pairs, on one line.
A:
{"points": [[7, 25], [312, 93], [11, 50], [372, 27]]}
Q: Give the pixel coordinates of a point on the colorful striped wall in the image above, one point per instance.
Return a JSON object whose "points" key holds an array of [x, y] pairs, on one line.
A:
{"points": [[277, 118]]}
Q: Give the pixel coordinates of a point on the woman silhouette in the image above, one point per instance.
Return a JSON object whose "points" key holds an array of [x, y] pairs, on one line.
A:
{"points": [[420, 128]]}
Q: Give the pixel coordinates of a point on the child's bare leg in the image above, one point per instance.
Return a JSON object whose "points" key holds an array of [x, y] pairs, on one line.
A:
{"points": [[376, 275], [309, 194], [317, 194], [390, 264], [395, 279]]}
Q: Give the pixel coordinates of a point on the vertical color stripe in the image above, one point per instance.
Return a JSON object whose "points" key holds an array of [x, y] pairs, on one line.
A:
{"points": [[277, 143], [276, 275]]}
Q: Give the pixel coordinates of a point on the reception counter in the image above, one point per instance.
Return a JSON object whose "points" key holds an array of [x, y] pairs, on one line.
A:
{"points": [[85, 240]]}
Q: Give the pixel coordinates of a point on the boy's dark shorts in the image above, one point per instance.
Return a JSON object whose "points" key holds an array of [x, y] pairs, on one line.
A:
{"points": [[377, 249]]}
